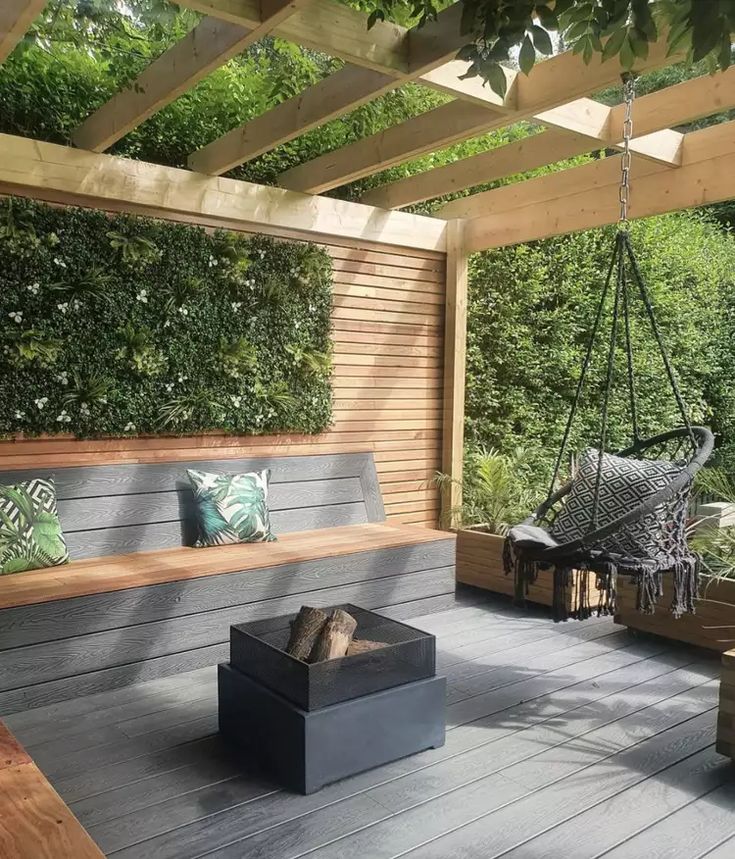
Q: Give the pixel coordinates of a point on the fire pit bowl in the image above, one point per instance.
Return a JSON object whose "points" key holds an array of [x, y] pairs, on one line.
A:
{"points": [[308, 725], [409, 655]]}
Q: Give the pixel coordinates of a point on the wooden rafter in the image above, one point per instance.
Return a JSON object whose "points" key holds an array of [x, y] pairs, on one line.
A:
{"points": [[209, 45], [429, 48], [340, 31], [16, 16], [332, 97], [674, 105], [325, 26], [585, 197], [48, 171], [551, 83]]}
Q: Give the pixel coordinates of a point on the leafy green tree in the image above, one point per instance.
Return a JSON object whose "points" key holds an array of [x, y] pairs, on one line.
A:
{"points": [[530, 311], [496, 29]]}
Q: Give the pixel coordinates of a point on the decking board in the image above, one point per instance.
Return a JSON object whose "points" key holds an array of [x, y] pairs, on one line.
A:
{"points": [[548, 725]]}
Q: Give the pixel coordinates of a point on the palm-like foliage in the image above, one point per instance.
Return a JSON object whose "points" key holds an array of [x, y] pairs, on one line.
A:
{"points": [[495, 490], [32, 538], [716, 545]]}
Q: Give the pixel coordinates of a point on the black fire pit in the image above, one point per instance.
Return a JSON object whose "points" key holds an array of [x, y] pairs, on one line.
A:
{"points": [[311, 724]]}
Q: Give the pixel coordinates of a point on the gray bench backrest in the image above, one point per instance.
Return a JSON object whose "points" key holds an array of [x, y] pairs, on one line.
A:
{"points": [[116, 509]]}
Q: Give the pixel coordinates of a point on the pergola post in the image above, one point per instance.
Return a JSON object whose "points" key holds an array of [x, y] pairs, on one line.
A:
{"points": [[455, 349]]}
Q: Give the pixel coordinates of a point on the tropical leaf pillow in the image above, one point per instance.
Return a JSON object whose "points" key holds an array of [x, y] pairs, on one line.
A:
{"points": [[231, 508], [30, 532]]}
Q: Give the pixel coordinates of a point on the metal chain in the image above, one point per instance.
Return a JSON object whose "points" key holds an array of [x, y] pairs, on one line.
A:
{"points": [[628, 96]]}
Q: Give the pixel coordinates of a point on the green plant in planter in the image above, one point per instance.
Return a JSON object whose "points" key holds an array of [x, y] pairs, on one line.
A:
{"points": [[497, 491], [140, 352], [237, 357], [715, 545], [30, 346]]}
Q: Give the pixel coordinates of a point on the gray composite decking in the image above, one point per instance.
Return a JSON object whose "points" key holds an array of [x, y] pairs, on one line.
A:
{"points": [[574, 740]]}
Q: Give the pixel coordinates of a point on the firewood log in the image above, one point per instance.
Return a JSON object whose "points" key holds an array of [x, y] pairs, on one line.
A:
{"points": [[361, 645], [335, 637], [306, 628]]}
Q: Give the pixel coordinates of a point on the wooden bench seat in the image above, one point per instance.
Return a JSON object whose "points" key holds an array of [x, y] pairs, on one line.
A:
{"points": [[35, 823], [137, 603]]}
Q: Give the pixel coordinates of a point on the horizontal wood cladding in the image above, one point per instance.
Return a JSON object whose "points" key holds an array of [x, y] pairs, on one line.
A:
{"points": [[388, 377]]}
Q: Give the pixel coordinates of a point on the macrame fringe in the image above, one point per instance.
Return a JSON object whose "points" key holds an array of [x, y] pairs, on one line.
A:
{"points": [[686, 586], [685, 576], [607, 586], [525, 572]]}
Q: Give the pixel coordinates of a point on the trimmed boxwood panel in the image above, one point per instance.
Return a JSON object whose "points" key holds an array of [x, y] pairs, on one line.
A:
{"points": [[120, 324]]}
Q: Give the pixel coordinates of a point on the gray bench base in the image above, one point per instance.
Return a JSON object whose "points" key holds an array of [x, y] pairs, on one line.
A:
{"points": [[306, 750]]}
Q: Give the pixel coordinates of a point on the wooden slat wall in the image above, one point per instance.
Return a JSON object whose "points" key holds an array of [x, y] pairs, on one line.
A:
{"points": [[388, 367]]}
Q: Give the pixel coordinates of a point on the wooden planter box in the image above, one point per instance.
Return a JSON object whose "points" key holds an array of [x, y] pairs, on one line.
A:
{"points": [[713, 626], [480, 563], [726, 718]]}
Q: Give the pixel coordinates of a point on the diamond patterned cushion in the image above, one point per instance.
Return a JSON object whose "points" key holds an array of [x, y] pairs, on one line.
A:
{"points": [[625, 484], [30, 531]]}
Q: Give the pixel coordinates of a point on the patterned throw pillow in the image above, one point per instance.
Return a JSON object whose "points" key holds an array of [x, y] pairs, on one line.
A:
{"points": [[625, 484], [30, 531], [231, 508]]}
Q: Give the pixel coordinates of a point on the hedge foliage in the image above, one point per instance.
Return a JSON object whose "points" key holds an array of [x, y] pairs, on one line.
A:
{"points": [[122, 324], [530, 312]]}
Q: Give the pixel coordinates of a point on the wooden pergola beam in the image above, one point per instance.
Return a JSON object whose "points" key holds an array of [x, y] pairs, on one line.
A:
{"points": [[340, 31], [332, 97], [430, 47], [209, 45], [550, 84], [585, 197], [594, 126], [16, 17], [47, 171], [324, 26]]}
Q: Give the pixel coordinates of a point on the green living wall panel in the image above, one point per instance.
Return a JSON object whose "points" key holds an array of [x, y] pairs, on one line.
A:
{"points": [[117, 324]]}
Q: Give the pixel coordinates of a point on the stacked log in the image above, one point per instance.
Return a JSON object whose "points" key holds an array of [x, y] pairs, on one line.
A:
{"points": [[317, 636]]}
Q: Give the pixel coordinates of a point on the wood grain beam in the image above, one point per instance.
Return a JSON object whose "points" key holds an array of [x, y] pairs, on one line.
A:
{"points": [[208, 46], [553, 82], [16, 17], [429, 48], [594, 125], [455, 353], [585, 197], [332, 97], [540, 149], [340, 31], [325, 26], [48, 171]]}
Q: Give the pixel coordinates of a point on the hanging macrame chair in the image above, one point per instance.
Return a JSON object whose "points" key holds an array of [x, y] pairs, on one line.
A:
{"points": [[622, 514]]}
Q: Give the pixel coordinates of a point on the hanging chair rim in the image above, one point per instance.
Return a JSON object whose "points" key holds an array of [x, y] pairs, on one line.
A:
{"points": [[703, 451]]}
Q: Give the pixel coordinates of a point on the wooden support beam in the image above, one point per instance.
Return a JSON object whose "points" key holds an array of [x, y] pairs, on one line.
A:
{"points": [[428, 132], [546, 147], [595, 126], [325, 26], [585, 197], [48, 171], [209, 45], [16, 17], [339, 31], [550, 84], [455, 351], [332, 97], [347, 89]]}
